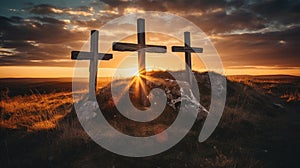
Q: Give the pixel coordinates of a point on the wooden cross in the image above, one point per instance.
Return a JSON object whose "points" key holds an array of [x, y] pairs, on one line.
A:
{"points": [[142, 48], [93, 56], [187, 49]]}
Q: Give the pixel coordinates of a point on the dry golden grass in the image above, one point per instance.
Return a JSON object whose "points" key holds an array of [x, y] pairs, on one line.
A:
{"points": [[291, 96], [34, 112], [285, 87]]}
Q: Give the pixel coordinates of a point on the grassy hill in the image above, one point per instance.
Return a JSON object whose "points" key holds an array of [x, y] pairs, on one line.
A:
{"points": [[259, 128]]}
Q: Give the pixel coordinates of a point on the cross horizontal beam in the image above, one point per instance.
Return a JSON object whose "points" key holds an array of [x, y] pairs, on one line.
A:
{"points": [[89, 56], [117, 46], [187, 49]]}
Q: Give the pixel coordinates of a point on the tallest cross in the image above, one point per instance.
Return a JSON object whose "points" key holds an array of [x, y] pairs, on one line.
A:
{"points": [[141, 48]]}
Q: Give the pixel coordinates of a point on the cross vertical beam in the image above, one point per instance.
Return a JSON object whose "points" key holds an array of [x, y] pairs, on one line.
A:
{"points": [[143, 91], [187, 49], [188, 59], [93, 64]]}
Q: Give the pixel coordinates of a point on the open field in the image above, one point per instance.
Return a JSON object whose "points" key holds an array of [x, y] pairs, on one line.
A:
{"points": [[28, 86], [259, 127]]}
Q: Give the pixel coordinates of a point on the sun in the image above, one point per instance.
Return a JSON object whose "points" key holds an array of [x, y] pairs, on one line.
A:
{"points": [[137, 74]]}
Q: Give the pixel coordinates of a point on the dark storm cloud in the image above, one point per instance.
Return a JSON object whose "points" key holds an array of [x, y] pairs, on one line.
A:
{"points": [[234, 14], [191, 5], [42, 35], [182, 6], [43, 9], [39, 29], [29, 54], [274, 48], [220, 22], [162, 5], [231, 15], [283, 10], [36, 38], [24, 53]]}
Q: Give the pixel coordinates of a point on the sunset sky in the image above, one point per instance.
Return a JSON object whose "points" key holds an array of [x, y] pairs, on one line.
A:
{"points": [[253, 37]]}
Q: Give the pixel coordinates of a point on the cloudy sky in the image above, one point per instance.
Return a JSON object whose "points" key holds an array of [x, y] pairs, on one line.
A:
{"points": [[251, 36]]}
